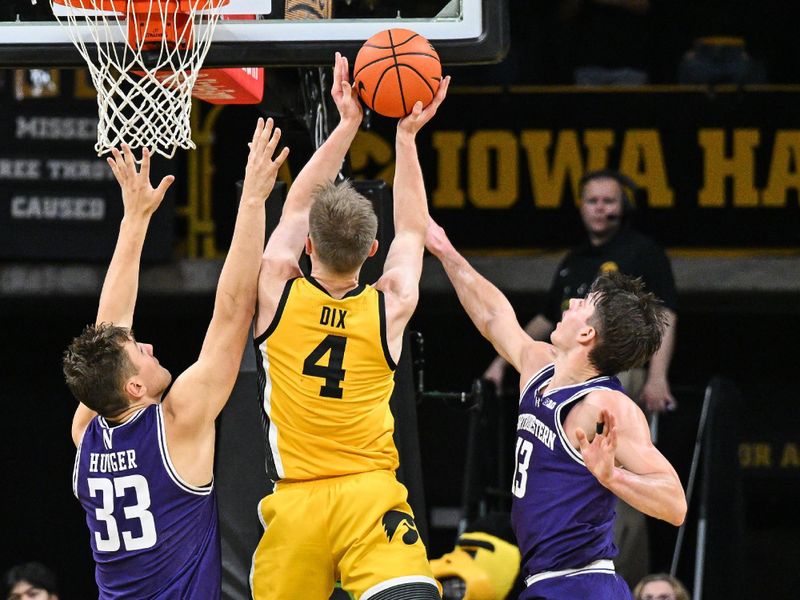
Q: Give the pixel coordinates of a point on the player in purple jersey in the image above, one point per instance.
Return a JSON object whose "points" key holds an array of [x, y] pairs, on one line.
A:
{"points": [[581, 442], [143, 470]]}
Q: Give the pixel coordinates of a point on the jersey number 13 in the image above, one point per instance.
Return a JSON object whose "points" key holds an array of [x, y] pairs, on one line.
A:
{"points": [[520, 483]]}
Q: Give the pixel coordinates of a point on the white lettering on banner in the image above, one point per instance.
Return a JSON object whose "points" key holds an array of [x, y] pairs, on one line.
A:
{"points": [[55, 128], [58, 209], [79, 170], [20, 168]]}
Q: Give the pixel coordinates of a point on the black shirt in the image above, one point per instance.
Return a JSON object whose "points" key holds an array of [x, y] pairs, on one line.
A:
{"points": [[628, 252]]}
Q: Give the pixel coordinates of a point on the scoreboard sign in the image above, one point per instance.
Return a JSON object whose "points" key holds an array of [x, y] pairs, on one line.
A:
{"points": [[58, 200]]}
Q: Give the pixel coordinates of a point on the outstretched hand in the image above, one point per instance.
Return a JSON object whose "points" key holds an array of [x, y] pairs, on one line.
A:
{"points": [[419, 115], [599, 454], [262, 169], [139, 198], [343, 94]]}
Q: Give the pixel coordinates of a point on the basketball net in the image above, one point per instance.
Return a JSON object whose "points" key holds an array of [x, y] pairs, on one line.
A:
{"points": [[144, 85]]}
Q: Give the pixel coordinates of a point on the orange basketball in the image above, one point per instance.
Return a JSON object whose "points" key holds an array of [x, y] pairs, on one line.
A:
{"points": [[394, 69]]}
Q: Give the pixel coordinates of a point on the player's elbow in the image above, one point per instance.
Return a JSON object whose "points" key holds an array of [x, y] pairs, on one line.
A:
{"points": [[677, 513]]}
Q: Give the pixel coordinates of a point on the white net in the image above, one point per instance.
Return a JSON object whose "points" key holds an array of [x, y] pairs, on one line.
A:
{"points": [[144, 87]]}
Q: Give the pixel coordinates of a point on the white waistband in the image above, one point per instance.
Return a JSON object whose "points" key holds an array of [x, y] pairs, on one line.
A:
{"points": [[603, 565]]}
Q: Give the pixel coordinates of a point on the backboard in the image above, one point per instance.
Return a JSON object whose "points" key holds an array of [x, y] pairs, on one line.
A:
{"points": [[463, 32]]}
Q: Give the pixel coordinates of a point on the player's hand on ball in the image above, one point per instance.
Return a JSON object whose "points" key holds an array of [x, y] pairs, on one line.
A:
{"points": [[343, 94], [394, 69], [421, 115]]}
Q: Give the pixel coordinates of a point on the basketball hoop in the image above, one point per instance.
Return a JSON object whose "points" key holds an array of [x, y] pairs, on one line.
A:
{"points": [[144, 57]]}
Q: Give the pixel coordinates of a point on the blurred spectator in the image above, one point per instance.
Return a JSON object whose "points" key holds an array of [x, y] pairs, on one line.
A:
{"points": [[660, 586], [715, 60], [30, 581]]}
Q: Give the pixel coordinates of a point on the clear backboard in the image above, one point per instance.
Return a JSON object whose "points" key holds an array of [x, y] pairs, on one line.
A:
{"points": [[284, 32]]}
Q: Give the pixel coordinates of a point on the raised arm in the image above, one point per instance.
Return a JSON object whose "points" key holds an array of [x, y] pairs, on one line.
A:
{"points": [[625, 461], [121, 285], [281, 255], [403, 267], [539, 328], [200, 393], [488, 308]]}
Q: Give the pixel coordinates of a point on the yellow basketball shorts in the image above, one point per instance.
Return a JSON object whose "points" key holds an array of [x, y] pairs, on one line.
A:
{"points": [[358, 529]]}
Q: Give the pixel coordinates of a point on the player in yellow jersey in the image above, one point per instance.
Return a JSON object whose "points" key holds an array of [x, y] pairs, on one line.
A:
{"points": [[327, 348]]}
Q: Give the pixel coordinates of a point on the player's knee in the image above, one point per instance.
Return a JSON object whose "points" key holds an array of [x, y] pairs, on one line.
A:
{"points": [[405, 591]]}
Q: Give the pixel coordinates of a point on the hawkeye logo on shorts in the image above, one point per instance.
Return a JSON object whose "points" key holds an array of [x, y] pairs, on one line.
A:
{"points": [[392, 521]]}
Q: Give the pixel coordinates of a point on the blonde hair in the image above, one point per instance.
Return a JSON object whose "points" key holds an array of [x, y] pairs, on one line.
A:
{"points": [[342, 226], [681, 593]]}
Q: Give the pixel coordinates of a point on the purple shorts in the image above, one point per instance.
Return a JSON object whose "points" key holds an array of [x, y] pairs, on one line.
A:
{"points": [[594, 586]]}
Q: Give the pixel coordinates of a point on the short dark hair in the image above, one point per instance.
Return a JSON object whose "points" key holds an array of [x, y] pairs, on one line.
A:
{"points": [[96, 366], [342, 225], [34, 573], [630, 323], [627, 187]]}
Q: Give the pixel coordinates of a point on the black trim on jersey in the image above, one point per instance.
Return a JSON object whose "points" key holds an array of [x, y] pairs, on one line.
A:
{"points": [[278, 312], [416, 590], [354, 292], [384, 333], [261, 378]]}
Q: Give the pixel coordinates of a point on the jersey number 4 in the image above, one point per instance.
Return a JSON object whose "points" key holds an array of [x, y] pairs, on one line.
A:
{"points": [[109, 489], [520, 483], [332, 373]]}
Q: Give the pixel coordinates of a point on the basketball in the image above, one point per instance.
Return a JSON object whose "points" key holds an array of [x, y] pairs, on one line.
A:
{"points": [[394, 69]]}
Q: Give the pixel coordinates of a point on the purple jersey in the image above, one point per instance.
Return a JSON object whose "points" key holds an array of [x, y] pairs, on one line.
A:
{"points": [[562, 517], [153, 535]]}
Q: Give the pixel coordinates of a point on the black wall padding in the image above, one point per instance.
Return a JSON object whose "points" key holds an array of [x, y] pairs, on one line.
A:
{"points": [[406, 438], [240, 479], [721, 494], [239, 473]]}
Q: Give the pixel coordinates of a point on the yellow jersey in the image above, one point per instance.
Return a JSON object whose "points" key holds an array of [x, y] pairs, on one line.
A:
{"points": [[325, 376]]}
